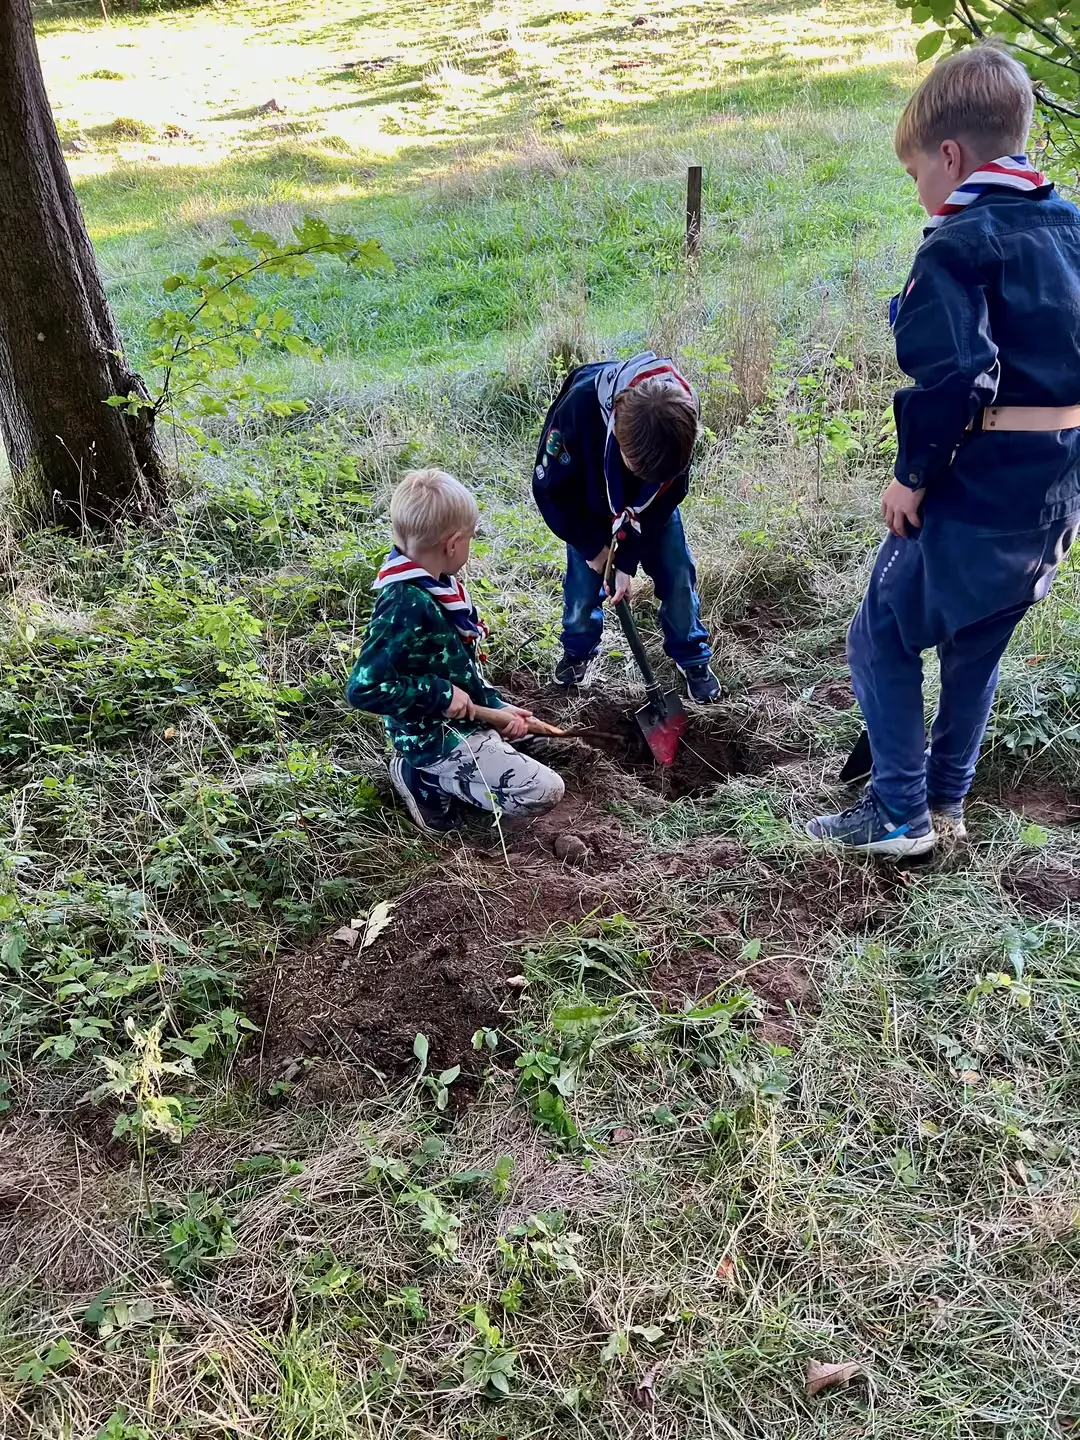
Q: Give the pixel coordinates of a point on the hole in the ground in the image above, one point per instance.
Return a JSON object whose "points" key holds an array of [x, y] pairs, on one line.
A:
{"points": [[710, 751]]}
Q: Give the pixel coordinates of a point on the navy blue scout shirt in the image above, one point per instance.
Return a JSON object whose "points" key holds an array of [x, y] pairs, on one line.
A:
{"points": [[991, 316], [568, 478]]}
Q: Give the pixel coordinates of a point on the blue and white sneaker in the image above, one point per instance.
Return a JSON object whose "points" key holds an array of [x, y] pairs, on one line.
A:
{"points": [[868, 829]]}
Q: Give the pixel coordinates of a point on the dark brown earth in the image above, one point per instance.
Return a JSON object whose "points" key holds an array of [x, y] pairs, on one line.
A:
{"points": [[1043, 884]]}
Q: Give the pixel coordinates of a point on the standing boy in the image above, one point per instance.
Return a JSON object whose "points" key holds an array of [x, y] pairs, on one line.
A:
{"points": [[986, 499], [612, 468], [419, 669]]}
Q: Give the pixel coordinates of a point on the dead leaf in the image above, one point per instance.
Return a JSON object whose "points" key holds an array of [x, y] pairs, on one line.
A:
{"points": [[517, 982], [377, 921], [726, 1270], [347, 935], [820, 1375], [969, 1077], [1019, 1169], [622, 1136], [644, 1397], [170, 733]]}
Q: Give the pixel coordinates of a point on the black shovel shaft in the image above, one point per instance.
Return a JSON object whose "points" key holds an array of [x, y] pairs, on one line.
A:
{"points": [[653, 692]]}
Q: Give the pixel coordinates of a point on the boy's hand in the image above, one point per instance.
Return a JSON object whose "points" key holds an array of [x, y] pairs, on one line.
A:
{"points": [[599, 562], [516, 721], [900, 507], [460, 707], [621, 587]]}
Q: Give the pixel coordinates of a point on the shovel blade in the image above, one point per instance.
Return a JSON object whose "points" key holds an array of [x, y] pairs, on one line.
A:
{"points": [[857, 765], [663, 729]]}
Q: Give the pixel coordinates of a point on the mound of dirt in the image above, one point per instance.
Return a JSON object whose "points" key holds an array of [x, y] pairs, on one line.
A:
{"points": [[440, 968], [1045, 802], [1043, 884]]}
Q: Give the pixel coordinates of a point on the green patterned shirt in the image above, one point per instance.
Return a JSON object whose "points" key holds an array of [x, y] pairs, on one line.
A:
{"points": [[411, 656]]}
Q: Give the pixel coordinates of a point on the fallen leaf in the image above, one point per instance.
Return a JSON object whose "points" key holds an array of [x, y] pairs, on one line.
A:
{"points": [[644, 1397], [517, 982], [1035, 660], [1019, 1169], [969, 1077], [821, 1375], [726, 1270], [377, 921], [347, 935], [622, 1136]]}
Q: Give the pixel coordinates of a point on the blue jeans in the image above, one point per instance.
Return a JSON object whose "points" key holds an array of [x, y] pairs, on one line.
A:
{"points": [[892, 627], [667, 561]]}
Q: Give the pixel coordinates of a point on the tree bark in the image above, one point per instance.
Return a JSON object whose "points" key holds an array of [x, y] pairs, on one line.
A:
{"points": [[74, 459]]}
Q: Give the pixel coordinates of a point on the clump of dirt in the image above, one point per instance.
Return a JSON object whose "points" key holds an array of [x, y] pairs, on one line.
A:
{"points": [[1043, 884], [440, 968], [1045, 802], [836, 694]]}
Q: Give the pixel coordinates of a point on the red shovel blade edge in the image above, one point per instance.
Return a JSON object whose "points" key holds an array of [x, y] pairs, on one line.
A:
{"points": [[662, 736]]}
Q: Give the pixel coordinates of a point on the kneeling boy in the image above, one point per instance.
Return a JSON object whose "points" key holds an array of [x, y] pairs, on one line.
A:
{"points": [[419, 669]]}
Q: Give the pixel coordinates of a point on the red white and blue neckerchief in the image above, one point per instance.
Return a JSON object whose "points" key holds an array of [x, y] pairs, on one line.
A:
{"points": [[1011, 172], [448, 590], [614, 380]]}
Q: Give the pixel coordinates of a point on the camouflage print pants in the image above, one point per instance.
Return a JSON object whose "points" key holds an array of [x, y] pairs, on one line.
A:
{"points": [[486, 770]]}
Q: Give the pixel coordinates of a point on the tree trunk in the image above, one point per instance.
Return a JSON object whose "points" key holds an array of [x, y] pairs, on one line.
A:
{"points": [[74, 459]]}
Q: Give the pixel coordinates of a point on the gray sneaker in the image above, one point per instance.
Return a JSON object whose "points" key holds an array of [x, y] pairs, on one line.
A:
{"points": [[430, 808], [948, 820], [869, 830]]}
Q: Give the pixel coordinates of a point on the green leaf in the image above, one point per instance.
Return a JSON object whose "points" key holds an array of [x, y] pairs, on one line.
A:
{"points": [[420, 1050], [171, 283], [929, 44], [1035, 836], [281, 320], [449, 1076]]}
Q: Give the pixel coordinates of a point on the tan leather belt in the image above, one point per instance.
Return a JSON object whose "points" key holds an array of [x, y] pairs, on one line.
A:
{"points": [[1031, 417]]}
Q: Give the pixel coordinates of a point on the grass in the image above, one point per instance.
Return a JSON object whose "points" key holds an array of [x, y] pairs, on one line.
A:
{"points": [[754, 1107]]}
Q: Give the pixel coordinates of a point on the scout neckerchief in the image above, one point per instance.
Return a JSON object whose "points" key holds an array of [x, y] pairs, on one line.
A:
{"points": [[612, 381], [1011, 172], [448, 590]]}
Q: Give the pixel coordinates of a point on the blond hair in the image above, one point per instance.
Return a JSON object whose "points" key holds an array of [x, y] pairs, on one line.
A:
{"points": [[428, 506], [980, 96], [656, 427]]}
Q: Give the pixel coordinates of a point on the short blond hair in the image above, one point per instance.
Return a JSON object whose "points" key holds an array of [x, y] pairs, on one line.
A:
{"points": [[428, 506], [980, 96]]}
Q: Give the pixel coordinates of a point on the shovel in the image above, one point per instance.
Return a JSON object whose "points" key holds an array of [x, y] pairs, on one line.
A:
{"points": [[857, 765], [662, 718]]}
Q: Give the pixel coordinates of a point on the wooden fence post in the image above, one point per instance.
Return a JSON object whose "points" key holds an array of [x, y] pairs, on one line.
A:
{"points": [[693, 211]]}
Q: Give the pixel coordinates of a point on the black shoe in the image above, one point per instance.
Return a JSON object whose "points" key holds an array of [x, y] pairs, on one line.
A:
{"points": [[571, 671], [430, 808], [701, 684]]}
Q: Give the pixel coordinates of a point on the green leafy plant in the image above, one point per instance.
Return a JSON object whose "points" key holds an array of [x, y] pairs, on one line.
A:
{"points": [[488, 1366], [60, 1353], [204, 351], [1044, 34], [196, 1237]]}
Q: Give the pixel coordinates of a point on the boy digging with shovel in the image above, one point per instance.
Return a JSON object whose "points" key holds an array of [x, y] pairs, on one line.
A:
{"points": [[612, 467], [986, 499]]}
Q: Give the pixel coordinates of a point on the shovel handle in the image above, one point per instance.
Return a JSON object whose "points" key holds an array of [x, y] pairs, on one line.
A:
{"points": [[622, 610]]}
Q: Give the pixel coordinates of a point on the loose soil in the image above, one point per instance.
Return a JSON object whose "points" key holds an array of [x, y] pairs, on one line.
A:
{"points": [[1043, 884], [1042, 801], [336, 1020]]}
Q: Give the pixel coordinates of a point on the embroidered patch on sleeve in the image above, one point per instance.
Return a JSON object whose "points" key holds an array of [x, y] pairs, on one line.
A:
{"points": [[554, 443]]}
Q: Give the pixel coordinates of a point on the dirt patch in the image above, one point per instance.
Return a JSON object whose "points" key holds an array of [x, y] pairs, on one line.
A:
{"points": [[713, 747], [836, 694], [1043, 801], [766, 617], [1043, 885], [441, 969], [781, 985]]}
